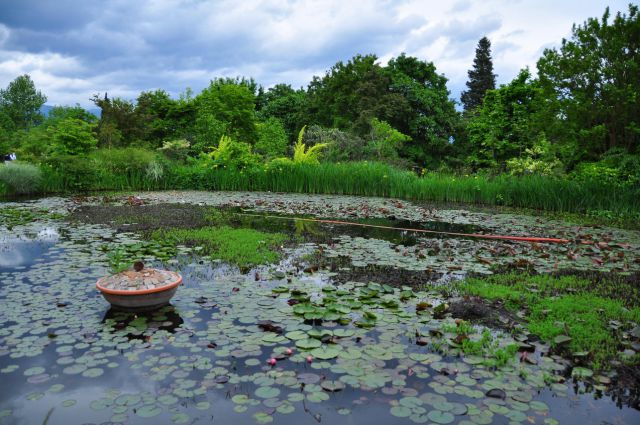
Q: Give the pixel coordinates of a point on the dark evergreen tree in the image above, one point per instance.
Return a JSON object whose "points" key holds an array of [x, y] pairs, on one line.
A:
{"points": [[481, 77]]}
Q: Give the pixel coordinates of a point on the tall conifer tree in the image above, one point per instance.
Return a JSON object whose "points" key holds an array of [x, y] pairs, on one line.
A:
{"points": [[481, 77]]}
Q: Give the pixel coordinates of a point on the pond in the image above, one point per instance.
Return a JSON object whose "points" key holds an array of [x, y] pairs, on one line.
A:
{"points": [[350, 315]]}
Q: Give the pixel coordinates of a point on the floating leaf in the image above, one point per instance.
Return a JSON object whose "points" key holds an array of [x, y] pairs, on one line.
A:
{"points": [[308, 343], [326, 352], [440, 417], [332, 386], [400, 411], [267, 392]]}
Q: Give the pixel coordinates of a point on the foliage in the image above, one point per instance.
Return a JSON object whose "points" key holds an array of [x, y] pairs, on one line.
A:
{"points": [[385, 141], [287, 105], [231, 103], [272, 138], [156, 113], [481, 77], [591, 83], [341, 145], [176, 149], [304, 155], [426, 114], [234, 155], [539, 159], [58, 113], [562, 306], [124, 161], [119, 124], [505, 125], [21, 178], [350, 94], [21, 102], [244, 247], [616, 168], [72, 136]]}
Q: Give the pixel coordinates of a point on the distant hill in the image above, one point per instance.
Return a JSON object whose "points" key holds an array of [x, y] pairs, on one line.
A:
{"points": [[46, 108]]}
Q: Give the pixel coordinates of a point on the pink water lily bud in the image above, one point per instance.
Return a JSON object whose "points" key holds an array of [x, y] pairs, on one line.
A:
{"points": [[289, 351], [272, 362], [309, 359]]}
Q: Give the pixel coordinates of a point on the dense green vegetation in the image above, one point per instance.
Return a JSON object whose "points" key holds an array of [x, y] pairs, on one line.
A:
{"points": [[566, 140], [584, 316], [244, 247]]}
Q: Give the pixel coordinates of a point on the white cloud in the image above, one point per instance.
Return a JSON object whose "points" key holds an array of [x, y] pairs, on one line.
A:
{"points": [[126, 47]]}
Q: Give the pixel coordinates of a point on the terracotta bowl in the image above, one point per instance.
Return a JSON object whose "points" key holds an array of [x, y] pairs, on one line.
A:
{"points": [[140, 299]]}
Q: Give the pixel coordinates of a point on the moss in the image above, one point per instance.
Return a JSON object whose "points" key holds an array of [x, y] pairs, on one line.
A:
{"points": [[567, 305], [244, 247]]}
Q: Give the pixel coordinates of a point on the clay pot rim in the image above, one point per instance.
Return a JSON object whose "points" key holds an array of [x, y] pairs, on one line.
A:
{"points": [[163, 288]]}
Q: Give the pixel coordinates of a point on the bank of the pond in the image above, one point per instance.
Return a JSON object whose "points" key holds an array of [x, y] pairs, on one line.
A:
{"points": [[362, 179]]}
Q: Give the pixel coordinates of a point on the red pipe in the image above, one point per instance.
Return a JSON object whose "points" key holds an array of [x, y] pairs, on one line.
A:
{"points": [[468, 235]]}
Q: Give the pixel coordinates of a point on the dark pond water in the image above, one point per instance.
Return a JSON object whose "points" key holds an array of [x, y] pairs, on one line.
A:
{"points": [[67, 358]]}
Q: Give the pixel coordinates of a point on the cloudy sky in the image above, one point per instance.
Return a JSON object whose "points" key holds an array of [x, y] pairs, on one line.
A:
{"points": [[74, 48]]}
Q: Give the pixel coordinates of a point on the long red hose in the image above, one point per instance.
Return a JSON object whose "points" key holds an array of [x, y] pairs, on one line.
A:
{"points": [[439, 232]]}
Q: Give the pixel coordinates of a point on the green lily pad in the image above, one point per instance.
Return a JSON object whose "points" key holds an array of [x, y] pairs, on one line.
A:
{"points": [[440, 417], [326, 352], [308, 343], [400, 411], [332, 386], [581, 372], [148, 411], [267, 392]]}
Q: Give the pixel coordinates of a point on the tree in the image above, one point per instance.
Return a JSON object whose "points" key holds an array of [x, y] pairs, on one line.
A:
{"points": [[481, 77], [592, 84], [58, 113], [426, 114], [72, 136], [350, 94], [154, 109], [119, 125], [21, 102], [507, 123], [287, 105], [231, 103]]}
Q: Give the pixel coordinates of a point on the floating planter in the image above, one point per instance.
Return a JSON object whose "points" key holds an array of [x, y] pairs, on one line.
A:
{"points": [[139, 289]]}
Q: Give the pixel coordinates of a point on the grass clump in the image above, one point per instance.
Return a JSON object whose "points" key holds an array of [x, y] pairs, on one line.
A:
{"points": [[578, 308], [21, 178], [244, 247]]}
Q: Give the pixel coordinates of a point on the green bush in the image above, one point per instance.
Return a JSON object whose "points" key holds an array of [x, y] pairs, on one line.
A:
{"points": [[21, 178], [78, 173], [233, 155], [128, 161], [341, 146], [177, 150], [272, 138]]}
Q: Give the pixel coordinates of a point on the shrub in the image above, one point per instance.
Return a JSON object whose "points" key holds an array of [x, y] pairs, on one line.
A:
{"points": [[21, 178], [341, 146], [234, 155], [304, 155], [72, 136], [176, 149], [272, 139], [128, 161], [78, 172]]}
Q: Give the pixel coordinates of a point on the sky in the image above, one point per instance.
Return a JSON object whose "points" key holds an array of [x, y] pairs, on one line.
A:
{"points": [[73, 49]]}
